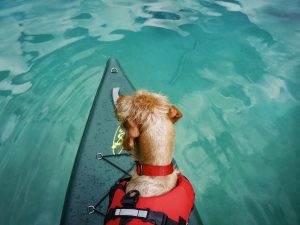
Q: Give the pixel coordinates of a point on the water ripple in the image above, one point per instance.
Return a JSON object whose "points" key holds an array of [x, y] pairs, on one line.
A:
{"points": [[232, 67]]}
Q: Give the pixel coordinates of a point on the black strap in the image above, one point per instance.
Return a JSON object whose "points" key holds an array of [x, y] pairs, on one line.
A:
{"points": [[159, 218], [182, 221], [124, 221], [130, 199], [127, 214], [115, 187]]}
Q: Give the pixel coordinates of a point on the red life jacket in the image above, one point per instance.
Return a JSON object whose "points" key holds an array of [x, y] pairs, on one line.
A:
{"points": [[171, 208]]}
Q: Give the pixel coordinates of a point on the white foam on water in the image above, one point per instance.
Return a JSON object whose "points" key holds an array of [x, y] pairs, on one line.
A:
{"points": [[230, 6], [9, 127], [83, 54], [6, 85]]}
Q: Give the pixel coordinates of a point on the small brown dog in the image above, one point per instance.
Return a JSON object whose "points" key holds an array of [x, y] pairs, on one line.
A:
{"points": [[148, 120]]}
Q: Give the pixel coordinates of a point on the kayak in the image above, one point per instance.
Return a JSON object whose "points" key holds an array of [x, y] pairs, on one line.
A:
{"points": [[100, 160]]}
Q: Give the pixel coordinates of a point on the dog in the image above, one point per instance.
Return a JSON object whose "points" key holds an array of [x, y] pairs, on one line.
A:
{"points": [[148, 120]]}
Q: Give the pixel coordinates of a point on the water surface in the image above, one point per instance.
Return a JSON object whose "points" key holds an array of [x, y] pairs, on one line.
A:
{"points": [[232, 67]]}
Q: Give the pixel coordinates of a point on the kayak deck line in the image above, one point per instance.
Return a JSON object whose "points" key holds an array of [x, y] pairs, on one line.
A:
{"points": [[93, 208]]}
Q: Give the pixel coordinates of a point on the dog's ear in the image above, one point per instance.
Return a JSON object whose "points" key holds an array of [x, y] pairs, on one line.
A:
{"points": [[132, 133], [174, 113]]}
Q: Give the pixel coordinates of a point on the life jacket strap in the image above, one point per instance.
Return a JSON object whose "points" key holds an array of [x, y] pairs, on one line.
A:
{"points": [[146, 215]]}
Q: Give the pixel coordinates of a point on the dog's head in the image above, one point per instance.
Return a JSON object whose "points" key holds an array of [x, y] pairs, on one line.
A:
{"points": [[136, 113]]}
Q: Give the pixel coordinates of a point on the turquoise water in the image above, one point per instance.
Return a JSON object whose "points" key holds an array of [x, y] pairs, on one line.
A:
{"points": [[232, 67]]}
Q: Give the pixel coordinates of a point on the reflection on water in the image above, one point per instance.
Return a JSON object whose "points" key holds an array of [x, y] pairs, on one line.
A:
{"points": [[231, 67]]}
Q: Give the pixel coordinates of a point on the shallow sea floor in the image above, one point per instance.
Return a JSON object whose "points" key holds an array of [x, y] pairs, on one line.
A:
{"points": [[232, 67]]}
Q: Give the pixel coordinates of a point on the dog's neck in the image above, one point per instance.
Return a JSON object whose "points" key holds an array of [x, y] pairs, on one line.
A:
{"points": [[155, 144]]}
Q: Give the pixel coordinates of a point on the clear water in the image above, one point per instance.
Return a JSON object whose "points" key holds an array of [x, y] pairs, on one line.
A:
{"points": [[232, 67]]}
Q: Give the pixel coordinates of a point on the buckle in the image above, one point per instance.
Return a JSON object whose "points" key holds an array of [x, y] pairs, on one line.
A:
{"points": [[139, 169], [130, 199], [157, 218]]}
